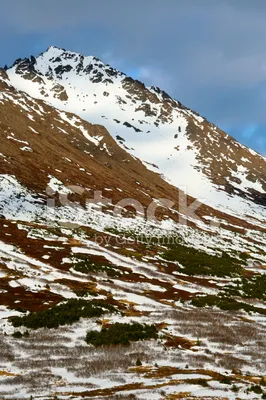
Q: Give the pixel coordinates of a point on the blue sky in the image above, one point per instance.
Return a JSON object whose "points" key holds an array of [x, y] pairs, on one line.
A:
{"points": [[208, 54]]}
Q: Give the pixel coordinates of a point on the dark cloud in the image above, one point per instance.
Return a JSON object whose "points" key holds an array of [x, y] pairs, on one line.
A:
{"points": [[210, 54]]}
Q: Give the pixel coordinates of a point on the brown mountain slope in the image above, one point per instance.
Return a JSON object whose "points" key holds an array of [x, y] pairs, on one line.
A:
{"points": [[39, 142]]}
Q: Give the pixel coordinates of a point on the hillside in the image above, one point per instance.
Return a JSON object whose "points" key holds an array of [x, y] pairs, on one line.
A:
{"points": [[156, 289]]}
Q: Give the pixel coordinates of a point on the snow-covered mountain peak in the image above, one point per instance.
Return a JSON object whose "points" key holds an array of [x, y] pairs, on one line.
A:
{"points": [[167, 137], [57, 63]]}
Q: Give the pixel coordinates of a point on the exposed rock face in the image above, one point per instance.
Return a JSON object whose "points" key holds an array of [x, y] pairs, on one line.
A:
{"points": [[3, 74], [60, 92]]}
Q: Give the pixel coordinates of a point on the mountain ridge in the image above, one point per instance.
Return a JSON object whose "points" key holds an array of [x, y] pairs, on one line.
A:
{"points": [[195, 147]]}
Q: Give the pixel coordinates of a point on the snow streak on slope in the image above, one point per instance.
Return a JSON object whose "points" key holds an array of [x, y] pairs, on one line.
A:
{"points": [[18, 203], [147, 123]]}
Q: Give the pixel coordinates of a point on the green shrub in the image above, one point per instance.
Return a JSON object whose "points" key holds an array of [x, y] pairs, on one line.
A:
{"points": [[119, 333], [254, 287], [225, 380], [85, 292], [64, 314], [222, 302], [255, 389], [17, 334], [196, 262], [235, 389], [85, 265]]}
